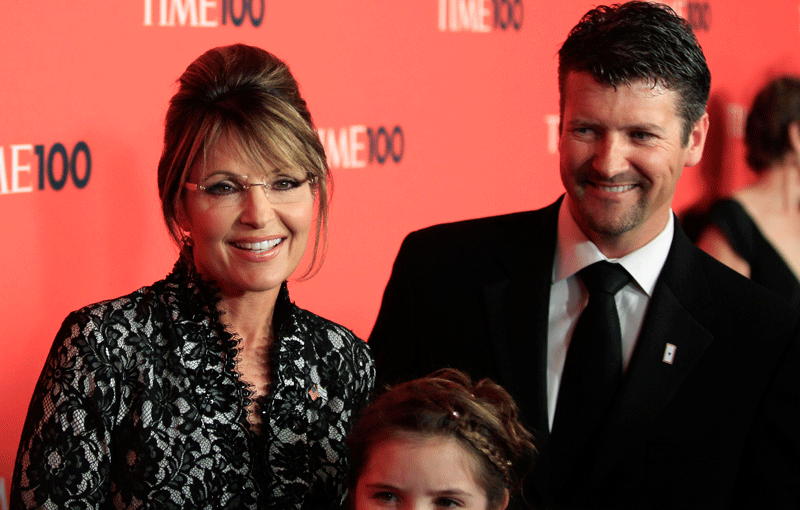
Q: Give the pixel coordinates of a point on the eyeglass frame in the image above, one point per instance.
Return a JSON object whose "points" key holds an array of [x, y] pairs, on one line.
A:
{"points": [[193, 186]]}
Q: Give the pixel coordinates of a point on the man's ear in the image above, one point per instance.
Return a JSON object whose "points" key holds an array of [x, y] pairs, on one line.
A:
{"points": [[697, 140]]}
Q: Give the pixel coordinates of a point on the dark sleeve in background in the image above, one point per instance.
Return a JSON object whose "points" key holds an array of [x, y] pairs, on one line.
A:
{"points": [[433, 314], [394, 340]]}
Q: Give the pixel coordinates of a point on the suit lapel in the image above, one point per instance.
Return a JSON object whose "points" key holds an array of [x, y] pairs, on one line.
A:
{"points": [[653, 376], [517, 308]]}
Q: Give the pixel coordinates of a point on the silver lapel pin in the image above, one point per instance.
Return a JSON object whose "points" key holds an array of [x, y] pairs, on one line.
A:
{"points": [[669, 354]]}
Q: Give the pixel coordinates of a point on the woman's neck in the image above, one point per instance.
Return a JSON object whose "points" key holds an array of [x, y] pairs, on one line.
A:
{"points": [[780, 186], [249, 315]]}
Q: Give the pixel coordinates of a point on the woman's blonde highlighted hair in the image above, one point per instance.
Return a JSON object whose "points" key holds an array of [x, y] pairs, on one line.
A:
{"points": [[249, 97]]}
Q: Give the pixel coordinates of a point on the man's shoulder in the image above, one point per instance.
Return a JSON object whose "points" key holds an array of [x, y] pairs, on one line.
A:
{"points": [[736, 300], [477, 230]]}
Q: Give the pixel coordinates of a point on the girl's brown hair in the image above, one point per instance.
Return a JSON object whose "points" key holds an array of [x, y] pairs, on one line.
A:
{"points": [[481, 416]]}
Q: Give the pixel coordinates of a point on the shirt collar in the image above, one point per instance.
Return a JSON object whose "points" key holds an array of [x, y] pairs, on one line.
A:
{"points": [[574, 251]]}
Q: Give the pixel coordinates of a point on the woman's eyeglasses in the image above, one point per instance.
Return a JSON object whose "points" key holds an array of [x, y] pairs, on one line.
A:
{"points": [[231, 189]]}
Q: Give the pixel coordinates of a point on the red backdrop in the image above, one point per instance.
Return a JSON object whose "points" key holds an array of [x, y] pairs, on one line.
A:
{"points": [[431, 111]]}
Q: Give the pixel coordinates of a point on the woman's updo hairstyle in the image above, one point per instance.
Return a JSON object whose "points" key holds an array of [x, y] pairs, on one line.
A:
{"points": [[481, 416], [250, 97]]}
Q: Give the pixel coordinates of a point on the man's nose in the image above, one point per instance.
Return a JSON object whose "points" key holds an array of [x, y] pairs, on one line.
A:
{"points": [[611, 155]]}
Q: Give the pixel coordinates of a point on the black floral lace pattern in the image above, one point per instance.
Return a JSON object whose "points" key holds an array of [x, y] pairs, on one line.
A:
{"points": [[139, 405]]}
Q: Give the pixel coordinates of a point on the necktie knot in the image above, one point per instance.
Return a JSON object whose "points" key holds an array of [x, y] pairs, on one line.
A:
{"points": [[604, 277]]}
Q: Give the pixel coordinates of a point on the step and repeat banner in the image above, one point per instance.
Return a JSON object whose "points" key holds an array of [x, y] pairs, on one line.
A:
{"points": [[429, 110]]}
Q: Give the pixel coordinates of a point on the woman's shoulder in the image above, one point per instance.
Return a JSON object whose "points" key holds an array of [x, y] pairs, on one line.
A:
{"points": [[338, 356], [116, 318], [325, 330], [174, 294], [139, 297], [331, 340]]}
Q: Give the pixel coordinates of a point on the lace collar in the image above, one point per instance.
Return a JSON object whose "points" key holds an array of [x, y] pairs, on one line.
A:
{"points": [[198, 298]]}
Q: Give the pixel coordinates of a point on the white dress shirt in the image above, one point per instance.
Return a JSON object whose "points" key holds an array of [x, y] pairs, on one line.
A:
{"points": [[568, 296]]}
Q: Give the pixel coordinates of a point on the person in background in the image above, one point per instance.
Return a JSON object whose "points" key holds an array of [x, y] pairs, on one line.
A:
{"points": [[652, 375], [440, 441], [757, 230], [210, 388]]}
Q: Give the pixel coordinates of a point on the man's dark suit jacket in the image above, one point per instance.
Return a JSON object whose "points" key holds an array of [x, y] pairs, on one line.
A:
{"points": [[717, 428]]}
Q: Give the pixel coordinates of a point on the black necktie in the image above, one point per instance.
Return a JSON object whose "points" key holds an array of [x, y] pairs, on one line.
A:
{"points": [[593, 368]]}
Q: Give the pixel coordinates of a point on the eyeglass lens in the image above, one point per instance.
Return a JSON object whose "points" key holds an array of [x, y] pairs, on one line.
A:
{"points": [[280, 189]]}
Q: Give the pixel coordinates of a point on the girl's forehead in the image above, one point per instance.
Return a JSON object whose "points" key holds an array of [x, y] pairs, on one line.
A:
{"points": [[423, 464], [428, 441]]}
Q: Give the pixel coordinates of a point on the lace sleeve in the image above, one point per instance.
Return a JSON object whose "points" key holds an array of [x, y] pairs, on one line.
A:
{"points": [[64, 453], [365, 374]]}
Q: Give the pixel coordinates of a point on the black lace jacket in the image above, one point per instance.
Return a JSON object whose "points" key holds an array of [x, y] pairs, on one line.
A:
{"points": [[139, 405]]}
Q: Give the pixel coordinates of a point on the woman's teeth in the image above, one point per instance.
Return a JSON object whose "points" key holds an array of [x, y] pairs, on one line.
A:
{"points": [[262, 246]]}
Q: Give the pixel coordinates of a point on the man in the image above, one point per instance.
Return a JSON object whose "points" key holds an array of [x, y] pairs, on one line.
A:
{"points": [[704, 411]]}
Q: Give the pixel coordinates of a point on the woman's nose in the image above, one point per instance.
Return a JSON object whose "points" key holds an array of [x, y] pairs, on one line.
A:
{"points": [[256, 207]]}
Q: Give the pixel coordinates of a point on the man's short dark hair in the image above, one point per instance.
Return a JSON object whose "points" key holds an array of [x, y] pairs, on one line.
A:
{"points": [[638, 40]]}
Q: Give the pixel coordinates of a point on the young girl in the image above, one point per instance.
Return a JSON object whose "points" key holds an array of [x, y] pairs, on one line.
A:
{"points": [[439, 442]]}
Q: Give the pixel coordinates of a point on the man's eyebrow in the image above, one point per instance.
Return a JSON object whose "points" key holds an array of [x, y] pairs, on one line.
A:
{"points": [[645, 127], [581, 122]]}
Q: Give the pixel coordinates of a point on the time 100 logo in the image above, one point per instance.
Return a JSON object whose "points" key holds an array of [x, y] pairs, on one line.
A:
{"points": [[54, 167], [203, 13]]}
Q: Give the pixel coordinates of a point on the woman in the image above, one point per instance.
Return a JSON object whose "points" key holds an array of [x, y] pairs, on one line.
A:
{"points": [[757, 231], [439, 442], [210, 388]]}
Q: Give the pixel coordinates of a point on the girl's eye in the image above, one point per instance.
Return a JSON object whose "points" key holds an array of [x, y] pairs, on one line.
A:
{"points": [[447, 503], [385, 497]]}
